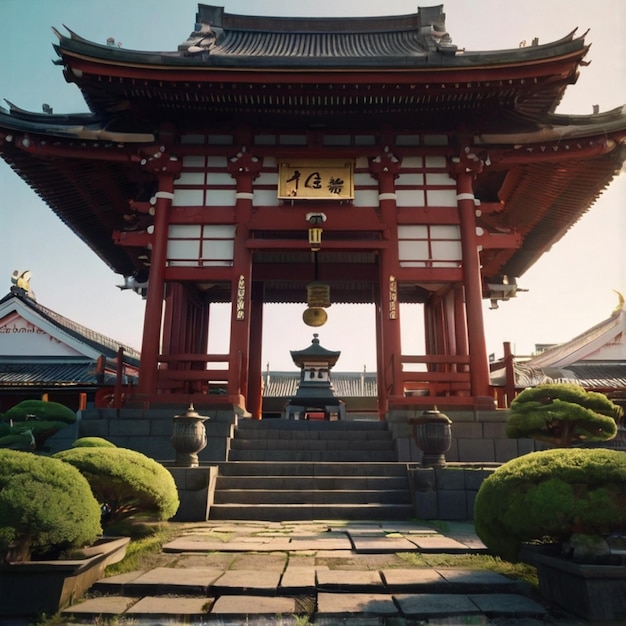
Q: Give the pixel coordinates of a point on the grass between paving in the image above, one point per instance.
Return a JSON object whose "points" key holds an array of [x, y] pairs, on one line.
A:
{"points": [[516, 571]]}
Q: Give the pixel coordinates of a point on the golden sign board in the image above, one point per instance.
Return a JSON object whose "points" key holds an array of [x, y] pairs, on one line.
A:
{"points": [[321, 179]]}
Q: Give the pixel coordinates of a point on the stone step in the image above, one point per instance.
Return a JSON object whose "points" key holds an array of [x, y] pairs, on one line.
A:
{"points": [[327, 456], [250, 496], [320, 483], [311, 435], [311, 425], [309, 512], [311, 444], [285, 468]]}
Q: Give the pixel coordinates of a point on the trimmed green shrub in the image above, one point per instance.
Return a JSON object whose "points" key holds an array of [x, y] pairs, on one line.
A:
{"points": [[31, 422], [549, 496], [125, 482], [93, 442], [46, 507], [562, 415]]}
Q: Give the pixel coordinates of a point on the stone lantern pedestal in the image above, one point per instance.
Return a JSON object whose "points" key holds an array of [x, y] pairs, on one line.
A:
{"points": [[195, 484]]}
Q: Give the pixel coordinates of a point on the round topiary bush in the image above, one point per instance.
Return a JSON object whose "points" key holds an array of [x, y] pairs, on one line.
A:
{"points": [[562, 415], [31, 422], [92, 442], [551, 495], [46, 507], [125, 482]]}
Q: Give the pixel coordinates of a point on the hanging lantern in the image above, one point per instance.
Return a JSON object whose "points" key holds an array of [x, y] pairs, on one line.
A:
{"points": [[318, 294], [315, 238]]}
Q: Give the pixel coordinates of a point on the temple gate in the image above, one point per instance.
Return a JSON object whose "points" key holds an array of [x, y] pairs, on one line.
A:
{"points": [[267, 154]]}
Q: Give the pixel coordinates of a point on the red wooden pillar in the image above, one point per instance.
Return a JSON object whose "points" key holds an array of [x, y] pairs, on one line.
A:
{"points": [[150, 344], [173, 319], [479, 365], [255, 387], [460, 322], [244, 167], [380, 362], [385, 169]]}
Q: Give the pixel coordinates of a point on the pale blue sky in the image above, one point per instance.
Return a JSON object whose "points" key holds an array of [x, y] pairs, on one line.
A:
{"points": [[570, 288]]}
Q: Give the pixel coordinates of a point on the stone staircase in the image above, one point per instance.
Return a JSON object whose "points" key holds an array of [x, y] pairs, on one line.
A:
{"points": [[308, 470]]}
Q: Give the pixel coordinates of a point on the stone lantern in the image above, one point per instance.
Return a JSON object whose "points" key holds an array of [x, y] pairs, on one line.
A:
{"points": [[315, 393], [189, 437], [433, 436]]}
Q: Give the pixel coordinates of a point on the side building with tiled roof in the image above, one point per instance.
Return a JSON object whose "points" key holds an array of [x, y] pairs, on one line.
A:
{"points": [[594, 359], [44, 354]]}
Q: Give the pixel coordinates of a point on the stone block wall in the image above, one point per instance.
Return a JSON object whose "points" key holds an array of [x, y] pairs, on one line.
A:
{"points": [[446, 493], [148, 431], [477, 437]]}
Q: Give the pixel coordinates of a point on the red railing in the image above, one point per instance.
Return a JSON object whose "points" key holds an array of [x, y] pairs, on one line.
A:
{"points": [[444, 380]]}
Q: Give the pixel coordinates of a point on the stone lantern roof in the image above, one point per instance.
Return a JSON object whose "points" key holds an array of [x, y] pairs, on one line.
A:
{"points": [[315, 353]]}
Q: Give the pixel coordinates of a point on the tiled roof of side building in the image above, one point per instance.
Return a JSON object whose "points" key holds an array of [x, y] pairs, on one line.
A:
{"points": [[345, 384], [52, 372], [95, 339]]}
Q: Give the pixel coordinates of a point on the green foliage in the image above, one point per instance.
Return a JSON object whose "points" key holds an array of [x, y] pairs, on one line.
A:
{"points": [[32, 410], [92, 442], [562, 415], [46, 506], [127, 481], [549, 496], [31, 422]]}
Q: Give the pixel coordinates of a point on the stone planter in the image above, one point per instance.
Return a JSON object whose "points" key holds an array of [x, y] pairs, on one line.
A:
{"points": [[189, 437], [433, 436], [593, 592], [35, 587]]}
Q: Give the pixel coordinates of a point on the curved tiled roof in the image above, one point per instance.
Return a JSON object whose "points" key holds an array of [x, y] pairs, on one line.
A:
{"points": [[104, 344]]}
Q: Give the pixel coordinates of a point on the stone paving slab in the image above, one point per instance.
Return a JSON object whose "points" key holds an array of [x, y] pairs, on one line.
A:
{"points": [[115, 584], [166, 605], [438, 543], [245, 605], [349, 580], [243, 581], [479, 580], [507, 604], [274, 562], [374, 545], [198, 544], [316, 543], [408, 579], [334, 554], [101, 605], [298, 580], [341, 604], [173, 580], [426, 605]]}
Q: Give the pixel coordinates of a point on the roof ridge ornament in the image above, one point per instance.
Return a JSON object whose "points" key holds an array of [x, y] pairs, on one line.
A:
{"points": [[20, 284]]}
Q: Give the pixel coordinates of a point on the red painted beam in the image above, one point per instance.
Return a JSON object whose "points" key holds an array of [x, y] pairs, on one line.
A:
{"points": [[500, 241], [296, 244]]}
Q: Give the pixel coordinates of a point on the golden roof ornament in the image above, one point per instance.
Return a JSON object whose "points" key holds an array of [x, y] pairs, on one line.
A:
{"points": [[21, 280]]}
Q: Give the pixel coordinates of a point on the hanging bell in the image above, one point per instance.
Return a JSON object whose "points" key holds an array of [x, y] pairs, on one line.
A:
{"points": [[314, 316]]}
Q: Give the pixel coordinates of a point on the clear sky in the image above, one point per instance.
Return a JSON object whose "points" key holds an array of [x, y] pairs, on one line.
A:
{"points": [[570, 288]]}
